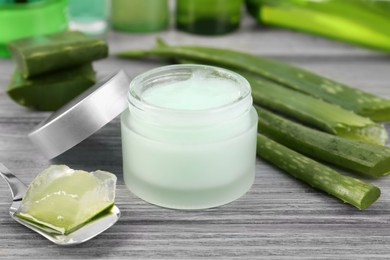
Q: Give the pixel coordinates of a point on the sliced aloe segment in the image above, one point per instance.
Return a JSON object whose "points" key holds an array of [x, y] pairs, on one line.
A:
{"points": [[47, 53], [63, 199], [50, 92]]}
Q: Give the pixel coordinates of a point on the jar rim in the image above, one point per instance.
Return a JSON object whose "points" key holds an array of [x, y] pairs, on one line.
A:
{"points": [[243, 101]]}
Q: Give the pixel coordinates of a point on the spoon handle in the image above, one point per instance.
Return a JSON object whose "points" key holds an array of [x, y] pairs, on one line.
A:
{"points": [[17, 187]]}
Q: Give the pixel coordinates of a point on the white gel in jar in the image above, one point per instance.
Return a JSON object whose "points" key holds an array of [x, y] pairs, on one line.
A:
{"points": [[189, 137]]}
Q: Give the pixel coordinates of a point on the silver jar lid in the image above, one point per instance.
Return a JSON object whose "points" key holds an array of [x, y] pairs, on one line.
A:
{"points": [[83, 116]]}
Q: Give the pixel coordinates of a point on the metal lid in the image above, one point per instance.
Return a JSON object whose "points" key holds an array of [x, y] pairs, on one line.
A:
{"points": [[83, 116]]}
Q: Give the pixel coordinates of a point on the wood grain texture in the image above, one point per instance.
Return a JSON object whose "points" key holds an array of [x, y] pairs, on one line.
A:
{"points": [[279, 218]]}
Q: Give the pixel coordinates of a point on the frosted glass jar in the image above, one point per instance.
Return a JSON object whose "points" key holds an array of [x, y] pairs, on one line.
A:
{"points": [[189, 137]]}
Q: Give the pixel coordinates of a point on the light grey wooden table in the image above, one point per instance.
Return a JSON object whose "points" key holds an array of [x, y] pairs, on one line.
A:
{"points": [[279, 218]]}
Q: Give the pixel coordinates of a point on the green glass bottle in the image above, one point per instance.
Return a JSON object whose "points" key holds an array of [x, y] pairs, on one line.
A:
{"points": [[21, 19], [139, 15], [363, 22], [208, 17]]}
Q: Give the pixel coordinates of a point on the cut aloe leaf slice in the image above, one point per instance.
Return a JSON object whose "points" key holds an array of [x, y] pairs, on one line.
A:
{"points": [[63, 199], [50, 92]]}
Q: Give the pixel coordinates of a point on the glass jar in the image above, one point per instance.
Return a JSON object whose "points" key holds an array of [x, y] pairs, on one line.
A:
{"points": [[20, 20], [208, 17], [139, 15], [189, 137]]}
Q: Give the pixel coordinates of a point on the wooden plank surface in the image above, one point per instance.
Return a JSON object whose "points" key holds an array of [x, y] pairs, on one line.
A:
{"points": [[279, 218]]}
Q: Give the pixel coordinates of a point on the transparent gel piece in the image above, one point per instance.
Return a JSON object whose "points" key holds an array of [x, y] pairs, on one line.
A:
{"points": [[63, 199]]}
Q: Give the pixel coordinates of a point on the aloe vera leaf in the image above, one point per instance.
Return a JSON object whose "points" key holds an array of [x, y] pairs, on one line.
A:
{"points": [[367, 159], [350, 190], [315, 112], [354, 21], [362, 103], [50, 92], [41, 54]]}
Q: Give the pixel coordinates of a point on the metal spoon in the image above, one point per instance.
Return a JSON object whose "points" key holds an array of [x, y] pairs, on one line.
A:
{"points": [[83, 234]]}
